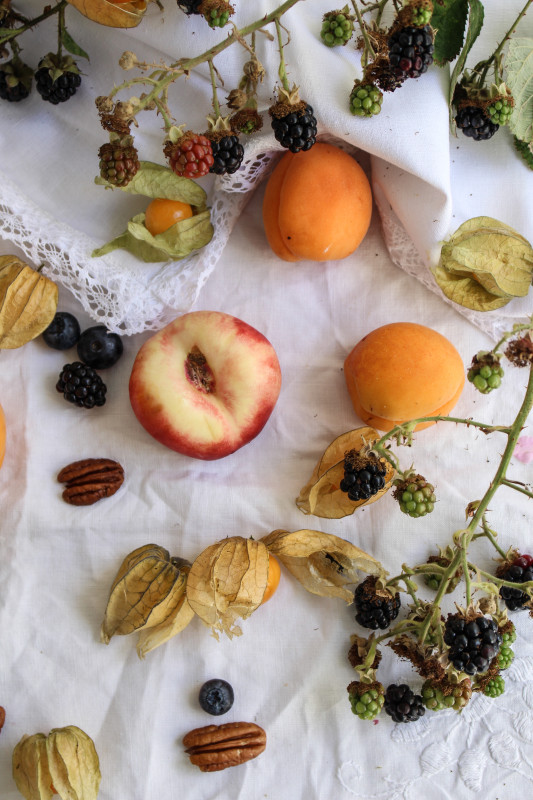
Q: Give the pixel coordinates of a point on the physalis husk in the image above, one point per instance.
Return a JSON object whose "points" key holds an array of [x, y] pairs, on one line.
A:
{"points": [[28, 302]]}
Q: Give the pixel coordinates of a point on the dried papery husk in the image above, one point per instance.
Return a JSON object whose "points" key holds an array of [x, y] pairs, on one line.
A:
{"points": [[145, 593], [227, 582], [178, 619], [322, 496], [323, 563], [64, 763], [28, 302], [125, 15]]}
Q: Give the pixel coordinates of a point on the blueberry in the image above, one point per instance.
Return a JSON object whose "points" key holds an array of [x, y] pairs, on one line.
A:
{"points": [[216, 697], [63, 332], [98, 348]]}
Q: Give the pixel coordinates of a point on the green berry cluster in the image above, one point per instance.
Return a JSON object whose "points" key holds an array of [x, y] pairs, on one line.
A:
{"points": [[337, 28], [421, 17], [434, 698], [509, 637], [485, 372], [417, 499], [365, 100], [495, 687], [369, 703], [500, 111], [505, 656], [216, 18]]}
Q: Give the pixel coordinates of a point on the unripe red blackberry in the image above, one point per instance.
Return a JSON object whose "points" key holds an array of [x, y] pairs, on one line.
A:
{"points": [[191, 156], [119, 160]]}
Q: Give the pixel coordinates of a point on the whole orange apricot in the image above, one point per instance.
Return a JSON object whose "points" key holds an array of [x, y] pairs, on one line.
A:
{"points": [[2, 436], [403, 371], [274, 574], [317, 205], [161, 214]]}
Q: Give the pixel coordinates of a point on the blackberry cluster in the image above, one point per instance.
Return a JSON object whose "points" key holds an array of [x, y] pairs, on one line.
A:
{"points": [[81, 385], [375, 608], [361, 483], [520, 571], [218, 16], [495, 687], [455, 697], [505, 657], [12, 87], [500, 111], [365, 100], [366, 700], [485, 372], [402, 704], [56, 90], [119, 161], [411, 51], [191, 156], [417, 498], [228, 154], [337, 28], [474, 123], [296, 130], [473, 644]]}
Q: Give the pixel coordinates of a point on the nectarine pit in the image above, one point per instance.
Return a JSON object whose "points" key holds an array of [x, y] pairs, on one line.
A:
{"points": [[199, 372]]}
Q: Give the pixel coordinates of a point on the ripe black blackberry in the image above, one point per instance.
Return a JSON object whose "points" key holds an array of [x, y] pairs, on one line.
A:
{"points": [[15, 80], [190, 6], [475, 124], [402, 704], [520, 571], [473, 642], [411, 51], [53, 87], [294, 129], [362, 480], [228, 154], [81, 385], [375, 608]]}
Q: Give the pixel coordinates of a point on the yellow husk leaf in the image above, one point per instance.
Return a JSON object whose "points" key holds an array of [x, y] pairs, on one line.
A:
{"points": [[323, 563], [144, 592], [73, 763], [322, 496], [227, 581], [28, 302], [65, 759], [30, 768], [126, 15], [177, 620]]}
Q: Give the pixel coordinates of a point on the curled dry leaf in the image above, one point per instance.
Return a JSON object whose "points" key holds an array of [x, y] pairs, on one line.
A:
{"points": [[323, 563], [227, 582], [123, 15], [28, 302], [148, 592], [322, 496], [64, 763]]}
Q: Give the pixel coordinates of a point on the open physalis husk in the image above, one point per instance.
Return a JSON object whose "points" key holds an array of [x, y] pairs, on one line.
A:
{"points": [[178, 241], [28, 302], [323, 563], [148, 592], [322, 496], [124, 15], [227, 581], [485, 264], [64, 763]]}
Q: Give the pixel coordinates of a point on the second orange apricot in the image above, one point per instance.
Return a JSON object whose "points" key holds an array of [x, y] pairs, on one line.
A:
{"points": [[317, 205]]}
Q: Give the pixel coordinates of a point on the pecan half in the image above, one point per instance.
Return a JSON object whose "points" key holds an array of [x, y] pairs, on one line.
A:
{"points": [[89, 480], [216, 747]]}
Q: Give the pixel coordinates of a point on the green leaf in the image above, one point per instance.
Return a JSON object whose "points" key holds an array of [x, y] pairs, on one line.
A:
{"points": [[154, 180], [475, 23], [519, 79], [449, 20], [69, 44], [524, 149], [466, 291]]}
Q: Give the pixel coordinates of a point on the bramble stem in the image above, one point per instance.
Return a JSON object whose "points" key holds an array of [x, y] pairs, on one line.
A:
{"points": [[486, 63], [213, 77], [281, 71], [8, 34], [369, 50], [513, 485]]}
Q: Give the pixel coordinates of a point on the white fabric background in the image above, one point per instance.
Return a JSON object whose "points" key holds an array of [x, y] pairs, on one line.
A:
{"points": [[289, 669]]}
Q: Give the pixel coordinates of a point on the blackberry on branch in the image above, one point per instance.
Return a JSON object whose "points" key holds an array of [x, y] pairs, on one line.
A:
{"points": [[81, 385], [495, 687], [295, 127], [119, 161], [15, 80], [365, 99], [337, 28], [402, 704], [442, 695], [57, 78], [228, 154], [485, 372], [416, 496], [375, 608], [505, 657], [216, 12], [520, 571], [366, 699], [473, 642], [363, 476], [475, 123], [191, 156], [411, 51]]}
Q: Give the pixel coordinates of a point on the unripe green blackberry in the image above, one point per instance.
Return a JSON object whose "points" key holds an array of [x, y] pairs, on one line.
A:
{"points": [[509, 636], [366, 699], [415, 496], [421, 12], [337, 28], [436, 697], [495, 687], [365, 100], [434, 579], [505, 657], [15, 80], [216, 12], [485, 372]]}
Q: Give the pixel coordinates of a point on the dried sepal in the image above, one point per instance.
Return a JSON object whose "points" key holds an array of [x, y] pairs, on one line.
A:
{"points": [[322, 495], [146, 591], [323, 563], [28, 302], [227, 581], [178, 619], [64, 763]]}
